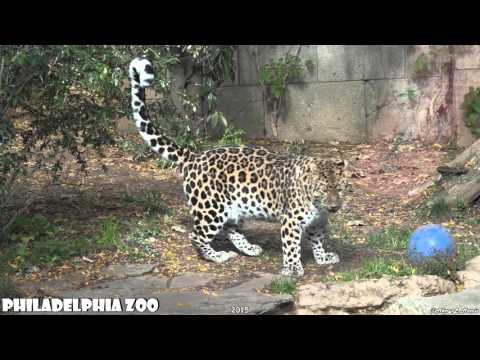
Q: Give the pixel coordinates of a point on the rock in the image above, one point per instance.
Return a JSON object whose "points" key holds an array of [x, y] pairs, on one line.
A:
{"points": [[50, 287], [366, 295], [470, 277], [191, 280], [132, 287], [466, 302], [243, 299], [473, 264], [120, 271], [419, 190]]}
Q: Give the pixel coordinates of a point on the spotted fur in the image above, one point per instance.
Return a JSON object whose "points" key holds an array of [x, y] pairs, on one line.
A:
{"points": [[226, 185]]}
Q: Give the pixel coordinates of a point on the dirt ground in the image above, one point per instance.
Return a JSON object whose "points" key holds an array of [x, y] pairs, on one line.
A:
{"points": [[387, 184]]}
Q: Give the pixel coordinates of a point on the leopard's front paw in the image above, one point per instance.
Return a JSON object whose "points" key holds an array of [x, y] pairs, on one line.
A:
{"points": [[327, 258]]}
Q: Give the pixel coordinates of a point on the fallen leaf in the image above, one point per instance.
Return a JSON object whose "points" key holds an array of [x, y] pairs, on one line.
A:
{"points": [[355, 223], [179, 229], [182, 304]]}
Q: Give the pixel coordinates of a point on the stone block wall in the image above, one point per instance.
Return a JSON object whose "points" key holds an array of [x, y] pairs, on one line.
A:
{"points": [[351, 93]]}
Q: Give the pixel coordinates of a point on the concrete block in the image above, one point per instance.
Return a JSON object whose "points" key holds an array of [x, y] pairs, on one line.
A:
{"points": [[387, 112], [390, 112], [413, 52], [243, 107], [322, 112], [468, 58], [247, 68], [340, 62], [358, 62], [384, 61]]}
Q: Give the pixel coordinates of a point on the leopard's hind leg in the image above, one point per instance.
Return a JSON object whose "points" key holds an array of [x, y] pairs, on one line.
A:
{"points": [[240, 241], [203, 234]]}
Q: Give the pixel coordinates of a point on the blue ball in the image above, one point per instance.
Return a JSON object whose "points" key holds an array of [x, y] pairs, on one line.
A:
{"points": [[429, 241]]}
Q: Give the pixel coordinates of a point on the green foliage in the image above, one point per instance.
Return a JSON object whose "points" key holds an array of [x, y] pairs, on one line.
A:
{"points": [[138, 150], [439, 209], [376, 268], [422, 67], [110, 234], [31, 228], [392, 267], [471, 110], [392, 238], [140, 241], [447, 267], [283, 285], [273, 78], [397, 141], [274, 75], [411, 94], [231, 136], [35, 241], [57, 98], [310, 65], [461, 206]]}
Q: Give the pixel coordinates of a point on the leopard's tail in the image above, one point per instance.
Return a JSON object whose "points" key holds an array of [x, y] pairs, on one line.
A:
{"points": [[141, 76]]}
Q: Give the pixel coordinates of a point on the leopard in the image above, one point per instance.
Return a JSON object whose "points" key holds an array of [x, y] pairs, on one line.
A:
{"points": [[226, 185]]}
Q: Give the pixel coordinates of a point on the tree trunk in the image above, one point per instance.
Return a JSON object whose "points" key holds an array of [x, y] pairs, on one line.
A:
{"points": [[461, 177], [274, 119]]}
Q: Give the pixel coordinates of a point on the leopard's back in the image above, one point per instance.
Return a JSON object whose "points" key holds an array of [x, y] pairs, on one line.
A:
{"points": [[236, 182]]}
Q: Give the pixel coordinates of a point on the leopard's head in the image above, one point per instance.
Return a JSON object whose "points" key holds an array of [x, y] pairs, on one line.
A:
{"points": [[328, 182]]}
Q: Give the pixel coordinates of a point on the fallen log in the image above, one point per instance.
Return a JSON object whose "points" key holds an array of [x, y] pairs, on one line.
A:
{"points": [[461, 177]]}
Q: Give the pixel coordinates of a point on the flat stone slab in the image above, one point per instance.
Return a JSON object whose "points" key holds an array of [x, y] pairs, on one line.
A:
{"points": [[65, 282], [242, 299], [466, 302], [120, 271], [191, 280]]}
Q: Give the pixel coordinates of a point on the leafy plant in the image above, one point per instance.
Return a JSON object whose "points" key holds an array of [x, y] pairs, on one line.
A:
{"points": [[110, 234], [411, 94], [57, 99], [422, 67], [273, 78], [397, 141], [231, 136], [439, 208], [31, 228], [283, 285], [35, 241], [140, 151], [471, 110]]}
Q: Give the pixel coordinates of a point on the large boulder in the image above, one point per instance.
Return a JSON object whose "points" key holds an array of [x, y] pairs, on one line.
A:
{"points": [[366, 295], [470, 277]]}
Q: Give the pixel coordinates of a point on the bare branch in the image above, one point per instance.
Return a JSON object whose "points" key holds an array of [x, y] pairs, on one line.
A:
{"points": [[2, 63]]}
